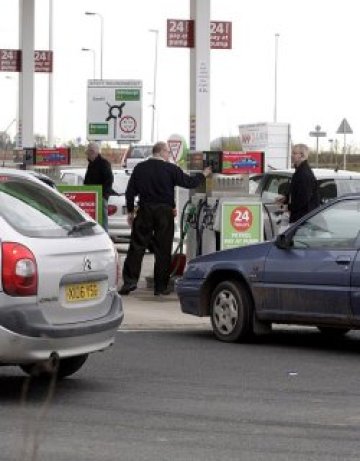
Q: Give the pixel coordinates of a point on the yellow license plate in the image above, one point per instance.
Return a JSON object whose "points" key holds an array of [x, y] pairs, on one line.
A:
{"points": [[82, 292]]}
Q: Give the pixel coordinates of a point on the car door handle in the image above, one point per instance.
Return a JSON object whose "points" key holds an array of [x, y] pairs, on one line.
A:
{"points": [[343, 260]]}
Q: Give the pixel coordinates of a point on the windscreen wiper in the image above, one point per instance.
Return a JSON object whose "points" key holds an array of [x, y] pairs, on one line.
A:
{"points": [[81, 226]]}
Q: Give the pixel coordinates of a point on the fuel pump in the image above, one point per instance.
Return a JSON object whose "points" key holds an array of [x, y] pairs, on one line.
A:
{"points": [[229, 181]]}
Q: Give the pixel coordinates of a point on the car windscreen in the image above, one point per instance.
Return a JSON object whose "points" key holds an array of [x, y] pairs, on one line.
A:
{"points": [[37, 211], [141, 152]]}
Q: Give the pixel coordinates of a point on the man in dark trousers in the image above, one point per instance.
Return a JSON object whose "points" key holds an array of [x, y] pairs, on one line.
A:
{"points": [[154, 181], [303, 195], [99, 173]]}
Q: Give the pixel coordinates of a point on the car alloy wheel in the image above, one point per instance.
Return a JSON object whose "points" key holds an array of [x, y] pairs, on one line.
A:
{"points": [[231, 312]]}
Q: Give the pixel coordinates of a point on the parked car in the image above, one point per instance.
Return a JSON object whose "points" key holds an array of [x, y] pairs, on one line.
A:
{"points": [[137, 153], [273, 183], [43, 177], [119, 229], [59, 278], [308, 275]]}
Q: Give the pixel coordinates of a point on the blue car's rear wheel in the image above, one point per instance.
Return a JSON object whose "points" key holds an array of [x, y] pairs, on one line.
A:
{"points": [[231, 312]]}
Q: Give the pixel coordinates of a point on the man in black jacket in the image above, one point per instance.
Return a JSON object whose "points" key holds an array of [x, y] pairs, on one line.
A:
{"points": [[154, 181], [303, 195], [99, 173]]}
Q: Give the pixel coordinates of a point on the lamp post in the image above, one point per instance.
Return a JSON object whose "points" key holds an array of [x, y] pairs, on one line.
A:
{"points": [[92, 13], [156, 32], [276, 64], [331, 142], [93, 53]]}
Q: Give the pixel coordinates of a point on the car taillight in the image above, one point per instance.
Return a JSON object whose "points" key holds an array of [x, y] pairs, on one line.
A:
{"points": [[112, 209], [19, 270]]}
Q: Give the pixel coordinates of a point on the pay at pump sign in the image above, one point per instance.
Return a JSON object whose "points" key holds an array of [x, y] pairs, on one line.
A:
{"points": [[241, 224], [114, 110]]}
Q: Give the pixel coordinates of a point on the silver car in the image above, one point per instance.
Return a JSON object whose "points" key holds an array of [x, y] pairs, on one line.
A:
{"points": [[59, 277], [119, 229], [331, 183]]}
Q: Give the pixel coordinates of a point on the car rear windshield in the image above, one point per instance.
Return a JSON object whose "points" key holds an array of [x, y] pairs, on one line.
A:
{"points": [[35, 210], [120, 182]]}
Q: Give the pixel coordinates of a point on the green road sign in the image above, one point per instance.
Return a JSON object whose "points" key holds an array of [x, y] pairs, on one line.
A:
{"points": [[127, 95], [98, 128]]}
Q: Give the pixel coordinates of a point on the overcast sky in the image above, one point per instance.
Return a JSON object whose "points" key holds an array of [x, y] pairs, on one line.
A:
{"points": [[318, 64]]}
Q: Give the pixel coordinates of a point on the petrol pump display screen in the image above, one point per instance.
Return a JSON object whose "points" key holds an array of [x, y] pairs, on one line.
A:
{"points": [[214, 160]]}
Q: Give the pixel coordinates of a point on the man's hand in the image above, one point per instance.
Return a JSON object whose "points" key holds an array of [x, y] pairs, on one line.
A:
{"points": [[130, 218], [281, 199], [207, 171]]}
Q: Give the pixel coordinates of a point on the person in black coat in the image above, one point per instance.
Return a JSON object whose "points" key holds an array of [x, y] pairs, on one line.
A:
{"points": [[99, 172], [303, 195], [153, 181]]}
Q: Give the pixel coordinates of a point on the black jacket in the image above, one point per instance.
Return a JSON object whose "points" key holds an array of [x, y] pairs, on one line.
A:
{"points": [[154, 181], [303, 192], [99, 173]]}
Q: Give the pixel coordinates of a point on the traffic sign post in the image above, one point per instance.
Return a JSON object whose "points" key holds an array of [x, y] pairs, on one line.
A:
{"points": [[344, 129], [317, 134], [114, 110]]}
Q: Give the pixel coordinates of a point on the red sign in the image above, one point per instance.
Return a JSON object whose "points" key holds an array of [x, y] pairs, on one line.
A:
{"points": [[242, 162], [180, 34], [10, 61], [241, 218], [87, 201], [52, 156], [43, 61], [220, 35]]}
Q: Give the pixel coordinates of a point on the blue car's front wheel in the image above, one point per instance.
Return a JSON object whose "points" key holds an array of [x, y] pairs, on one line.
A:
{"points": [[231, 311]]}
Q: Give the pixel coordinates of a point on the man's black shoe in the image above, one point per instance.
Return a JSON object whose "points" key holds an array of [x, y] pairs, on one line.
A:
{"points": [[125, 289], [165, 292]]}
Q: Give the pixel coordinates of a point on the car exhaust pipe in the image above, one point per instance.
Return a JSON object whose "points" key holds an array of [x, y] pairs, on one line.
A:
{"points": [[47, 367]]}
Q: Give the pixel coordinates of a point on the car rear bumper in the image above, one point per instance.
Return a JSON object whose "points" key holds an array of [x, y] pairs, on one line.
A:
{"points": [[25, 334], [31, 322]]}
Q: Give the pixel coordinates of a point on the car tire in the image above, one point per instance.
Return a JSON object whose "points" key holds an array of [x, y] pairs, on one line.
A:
{"points": [[66, 367], [335, 332], [231, 312]]}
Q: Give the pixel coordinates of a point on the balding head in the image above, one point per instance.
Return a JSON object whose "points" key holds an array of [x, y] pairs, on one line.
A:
{"points": [[161, 150]]}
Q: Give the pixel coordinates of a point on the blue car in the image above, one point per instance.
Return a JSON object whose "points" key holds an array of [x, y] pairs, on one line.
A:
{"points": [[245, 163], [308, 275]]}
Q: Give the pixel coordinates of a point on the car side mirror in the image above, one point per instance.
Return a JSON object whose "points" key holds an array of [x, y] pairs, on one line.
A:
{"points": [[284, 242]]}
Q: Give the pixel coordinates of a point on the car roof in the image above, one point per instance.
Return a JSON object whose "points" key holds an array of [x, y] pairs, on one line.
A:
{"points": [[82, 171], [323, 173]]}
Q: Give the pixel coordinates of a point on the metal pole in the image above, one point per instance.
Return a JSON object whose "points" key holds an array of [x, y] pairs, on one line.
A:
{"points": [[344, 151], [317, 151], [50, 90], [276, 63], [92, 13], [156, 32], [101, 45], [94, 59]]}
